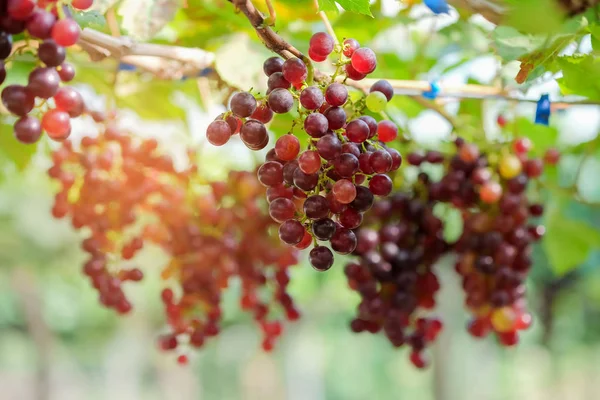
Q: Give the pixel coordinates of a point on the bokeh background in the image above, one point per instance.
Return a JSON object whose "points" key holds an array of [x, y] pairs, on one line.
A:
{"points": [[57, 342]]}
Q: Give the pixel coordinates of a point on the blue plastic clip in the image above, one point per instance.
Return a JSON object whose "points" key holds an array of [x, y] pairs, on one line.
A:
{"points": [[438, 6], [126, 67], [542, 112], [432, 93]]}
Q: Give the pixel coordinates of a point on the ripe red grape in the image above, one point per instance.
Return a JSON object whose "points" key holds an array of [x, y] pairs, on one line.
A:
{"points": [[51, 54], [309, 162], [43, 82], [218, 133], [384, 87], [254, 134], [344, 191], [353, 73], [40, 24], [291, 232], [281, 101], [380, 185], [17, 99], [69, 100], [57, 124], [316, 207], [336, 116], [321, 43], [28, 130], [277, 81], [387, 131], [346, 165], [336, 94], [287, 147], [262, 113], [380, 161], [20, 10], [357, 131], [66, 72], [243, 104], [272, 65], [323, 229], [82, 4], [552, 156], [364, 60], [329, 147], [316, 125], [321, 258], [311, 98], [270, 173], [343, 241], [282, 209], [350, 46], [66, 32], [294, 70], [306, 182]]}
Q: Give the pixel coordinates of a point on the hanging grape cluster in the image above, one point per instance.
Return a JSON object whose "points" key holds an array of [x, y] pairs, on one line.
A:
{"points": [[43, 104], [125, 193], [403, 237], [319, 193]]}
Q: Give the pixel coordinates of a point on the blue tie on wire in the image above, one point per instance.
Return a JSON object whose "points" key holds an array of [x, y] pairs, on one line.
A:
{"points": [[437, 6], [432, 93], [542, 112]]}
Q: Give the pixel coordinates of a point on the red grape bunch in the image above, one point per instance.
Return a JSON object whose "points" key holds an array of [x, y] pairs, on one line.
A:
{"points": [[53, 31], [494, 250], [124, 192], [318, 193], [398, 244]]}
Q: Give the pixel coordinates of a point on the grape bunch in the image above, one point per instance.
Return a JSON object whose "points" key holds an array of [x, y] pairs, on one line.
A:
{"points": [[318, 193], [43, 104], [398, 244], [125, 193], [106, 185]]}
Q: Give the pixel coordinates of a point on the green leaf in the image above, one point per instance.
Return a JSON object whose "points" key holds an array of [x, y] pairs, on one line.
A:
{"points": [[581, 75], [90, 19], [452, 219], [357, 6], [143, 19], [102, 6], [512, 44], [525, 15], [568, 242], [542, 136], [12, 151]]}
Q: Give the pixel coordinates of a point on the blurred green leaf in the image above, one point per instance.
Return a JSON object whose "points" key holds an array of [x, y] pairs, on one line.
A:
{"points": [[568, 242], [512, 44], [90, 19], [525, 15], [357, 6], [581, 75], [239, 63]]}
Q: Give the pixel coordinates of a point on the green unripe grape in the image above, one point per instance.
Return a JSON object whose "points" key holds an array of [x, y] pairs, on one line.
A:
{"points": [[376, 102]]}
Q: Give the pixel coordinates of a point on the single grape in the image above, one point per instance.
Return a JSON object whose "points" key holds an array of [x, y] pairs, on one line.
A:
{"points": [[350, 46], [321, 258], [254, 135], [6, 45], [510, 166], [351, 148], [218, 133], [380, 185], [384, 87], [364, 163], [57, 124], [357, 131], [69, 100], [316, 125], [270, 174], [82, 4], [380, 161], [396, 159], [316, 57], [282, 209], [522, 145], [262, 113], [294, 70], [43, 82], [66, 32], [323, 229], [66, 72], [51, 54], [272, 65], [364, 60], [287, 147], [304, 243], [346, 165], [28, 130], [344, 191], [321, 43], [311, 98], [336, 116], [281, 101], [387, 131], [364, 199], [350, 218], [288, 171], [353, 74], [490, 192], [329, 147], [20, 10], [552, 156], [336, 94], [371, 123], [316, 207], [291, 232], [533, 168], [277, 81], [469, 152], [376, 102], [243, 104], [17, 99], [309, 162], [304, 181], [40, 24], [343, 241]]}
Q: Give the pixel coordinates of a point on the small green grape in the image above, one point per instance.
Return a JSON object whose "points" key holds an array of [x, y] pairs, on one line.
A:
{"points": [[376, 102]]}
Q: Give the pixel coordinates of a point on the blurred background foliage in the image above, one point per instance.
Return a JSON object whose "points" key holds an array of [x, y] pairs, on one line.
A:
{"points": [[56, 341]]}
